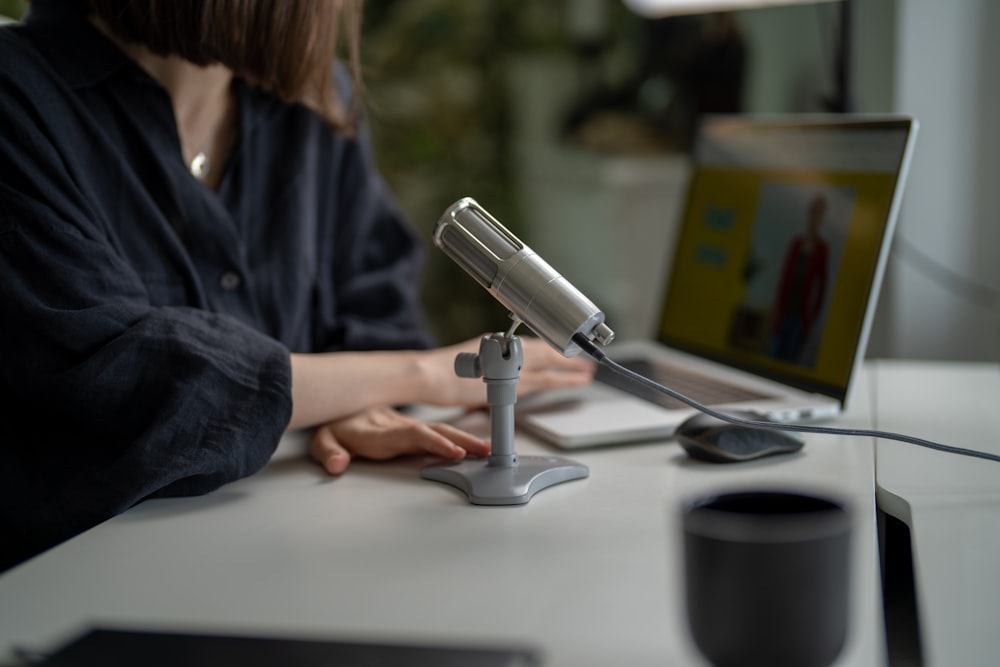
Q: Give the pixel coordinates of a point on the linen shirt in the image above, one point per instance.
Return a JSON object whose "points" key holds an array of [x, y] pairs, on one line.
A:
{"points": [[146, 321]]}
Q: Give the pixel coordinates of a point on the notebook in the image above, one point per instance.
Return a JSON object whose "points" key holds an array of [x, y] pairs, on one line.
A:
{"points": [[773, 280]]}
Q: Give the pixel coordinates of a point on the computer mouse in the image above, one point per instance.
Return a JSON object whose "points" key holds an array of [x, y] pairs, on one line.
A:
{"points": [[708, 438]]}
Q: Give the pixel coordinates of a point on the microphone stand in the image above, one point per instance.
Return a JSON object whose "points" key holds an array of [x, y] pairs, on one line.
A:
{"points": [[503, 478]]}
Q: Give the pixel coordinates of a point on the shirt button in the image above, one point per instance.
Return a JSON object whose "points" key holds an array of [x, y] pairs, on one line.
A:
{"points": [[230, 280]]}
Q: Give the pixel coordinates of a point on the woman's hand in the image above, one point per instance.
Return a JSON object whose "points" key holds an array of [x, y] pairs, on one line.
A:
{"points": [[543, 369], [383, 433]]}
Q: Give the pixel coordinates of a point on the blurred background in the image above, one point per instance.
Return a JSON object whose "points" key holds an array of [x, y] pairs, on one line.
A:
{"points": [[571, 121]]}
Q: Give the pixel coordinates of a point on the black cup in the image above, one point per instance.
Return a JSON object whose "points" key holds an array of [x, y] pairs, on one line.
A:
{"points": [[767, 578]]}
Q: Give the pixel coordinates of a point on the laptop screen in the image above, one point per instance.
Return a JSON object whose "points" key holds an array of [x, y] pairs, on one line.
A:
{"points": [[782, 244]]}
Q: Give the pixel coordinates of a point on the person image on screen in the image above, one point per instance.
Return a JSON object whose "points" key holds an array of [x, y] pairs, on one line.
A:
{"points": [[801, 287]]}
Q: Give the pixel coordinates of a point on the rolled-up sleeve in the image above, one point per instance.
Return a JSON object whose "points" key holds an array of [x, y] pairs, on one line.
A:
{"points": [[109, 400]]}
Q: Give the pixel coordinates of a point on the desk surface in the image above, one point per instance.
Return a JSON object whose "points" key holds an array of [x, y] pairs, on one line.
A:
{"points": [[950, 503], [588, 572]]}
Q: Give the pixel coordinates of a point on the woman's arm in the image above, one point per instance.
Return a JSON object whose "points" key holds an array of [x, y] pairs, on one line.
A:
{"points": [[328, 387]]}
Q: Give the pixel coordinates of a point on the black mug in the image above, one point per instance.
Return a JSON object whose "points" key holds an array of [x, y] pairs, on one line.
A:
{"points": [[767, 577]]}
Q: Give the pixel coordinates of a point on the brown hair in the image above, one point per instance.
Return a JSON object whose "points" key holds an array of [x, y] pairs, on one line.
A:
{"points": [[286, 47]]}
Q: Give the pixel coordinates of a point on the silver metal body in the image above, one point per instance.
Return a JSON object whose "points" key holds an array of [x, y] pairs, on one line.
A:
{"points": [[523, 282]]}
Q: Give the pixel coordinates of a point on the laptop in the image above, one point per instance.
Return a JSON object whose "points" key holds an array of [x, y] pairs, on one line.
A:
{"points": [[772, 284]]}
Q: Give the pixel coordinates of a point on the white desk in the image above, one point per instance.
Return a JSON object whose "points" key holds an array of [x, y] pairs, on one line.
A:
{"points": [[951, 503], [588, 571]]}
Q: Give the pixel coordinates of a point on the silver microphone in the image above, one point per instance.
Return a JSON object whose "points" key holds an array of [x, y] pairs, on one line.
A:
{"points": [[519, 279]]}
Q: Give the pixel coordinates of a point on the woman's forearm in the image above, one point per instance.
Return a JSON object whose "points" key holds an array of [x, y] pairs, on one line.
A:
{"points": [[329, 386]]}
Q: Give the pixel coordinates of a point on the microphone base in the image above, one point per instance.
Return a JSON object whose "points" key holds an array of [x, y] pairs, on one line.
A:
{"points": [[515, 485]]}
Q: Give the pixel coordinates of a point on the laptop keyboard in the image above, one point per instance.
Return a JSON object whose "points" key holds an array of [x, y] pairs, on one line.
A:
{"points": [[692, 384]]}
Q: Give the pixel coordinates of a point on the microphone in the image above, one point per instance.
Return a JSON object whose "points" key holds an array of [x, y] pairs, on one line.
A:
{"points": [[557, 312], [523, 282]]}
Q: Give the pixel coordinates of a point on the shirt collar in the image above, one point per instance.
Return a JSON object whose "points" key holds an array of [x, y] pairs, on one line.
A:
{"points": [[86, 57], [74, 47]]}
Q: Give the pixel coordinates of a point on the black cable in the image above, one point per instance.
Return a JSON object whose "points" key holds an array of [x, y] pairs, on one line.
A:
{"points": [[945, 277], [600, 357]]}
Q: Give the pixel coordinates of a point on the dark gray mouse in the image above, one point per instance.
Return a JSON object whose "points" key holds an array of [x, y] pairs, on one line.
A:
{"points": [[708, 438]]}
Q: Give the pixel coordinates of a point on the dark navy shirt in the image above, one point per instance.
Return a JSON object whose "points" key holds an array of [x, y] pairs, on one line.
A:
{"points": [[145, 320]]}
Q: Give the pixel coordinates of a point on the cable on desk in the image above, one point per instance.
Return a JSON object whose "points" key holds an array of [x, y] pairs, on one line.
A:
{"points": [[600, 357], [969, 290]]}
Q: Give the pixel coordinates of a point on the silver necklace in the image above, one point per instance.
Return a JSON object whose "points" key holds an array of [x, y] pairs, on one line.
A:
{"points": [[200, 166]]}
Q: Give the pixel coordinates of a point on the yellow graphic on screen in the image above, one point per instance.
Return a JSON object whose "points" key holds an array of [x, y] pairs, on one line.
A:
{"points": [[774, 269]]}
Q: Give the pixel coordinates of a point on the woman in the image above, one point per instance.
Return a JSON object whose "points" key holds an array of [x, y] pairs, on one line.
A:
{"points": [[197, 254], [801, 287]]}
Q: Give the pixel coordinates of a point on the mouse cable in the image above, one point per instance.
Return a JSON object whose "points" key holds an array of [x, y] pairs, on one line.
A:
{"points": [[948, 279], [600, 357]]}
